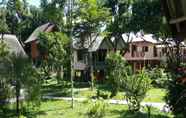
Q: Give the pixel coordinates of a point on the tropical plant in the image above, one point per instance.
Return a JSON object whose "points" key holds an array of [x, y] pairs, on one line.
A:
{"points": [[97, 110], [90, 19], [116, 69], [20, 74], [5, 92], [55, 48], [24, 76], [158, 77], [4, 27], [121, 17], [136, 87], [176, 94]]}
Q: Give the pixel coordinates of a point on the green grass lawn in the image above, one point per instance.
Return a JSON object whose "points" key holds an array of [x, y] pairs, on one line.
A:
{"points": [[62, 109], [63, 90], [155, 95]]}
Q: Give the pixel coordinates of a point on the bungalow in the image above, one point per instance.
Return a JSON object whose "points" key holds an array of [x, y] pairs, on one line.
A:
{"points": [[13, 44], [91, 54], [88, 54], [146, 51], [32, 41]]}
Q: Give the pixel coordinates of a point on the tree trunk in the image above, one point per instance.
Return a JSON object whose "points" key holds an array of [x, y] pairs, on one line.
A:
{"points": [[91, 72], [17, 99], [59, 76], [70, 19], [72, 78]]}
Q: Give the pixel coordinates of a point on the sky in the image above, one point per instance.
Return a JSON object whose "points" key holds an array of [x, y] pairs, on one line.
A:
{"points": [[34, 2]]}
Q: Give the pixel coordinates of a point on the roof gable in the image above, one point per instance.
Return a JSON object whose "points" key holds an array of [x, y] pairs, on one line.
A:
{"points": [[48, 27], [13, 44]]}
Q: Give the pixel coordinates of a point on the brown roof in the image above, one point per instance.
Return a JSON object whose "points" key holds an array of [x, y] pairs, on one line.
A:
{"points": [[48, 27]]}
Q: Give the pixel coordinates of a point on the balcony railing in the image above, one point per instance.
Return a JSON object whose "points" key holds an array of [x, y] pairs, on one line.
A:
{"points": [[99, 65], [80, 65], [138, 54]]}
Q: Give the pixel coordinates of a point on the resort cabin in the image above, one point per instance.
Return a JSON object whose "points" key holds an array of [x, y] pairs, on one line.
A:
{"points": [[13, 44], [146, 51], [143, 52], [32, 41], [91, 54]]}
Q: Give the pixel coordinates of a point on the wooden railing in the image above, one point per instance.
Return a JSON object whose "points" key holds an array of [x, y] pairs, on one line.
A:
{"points": [[99, 65]]}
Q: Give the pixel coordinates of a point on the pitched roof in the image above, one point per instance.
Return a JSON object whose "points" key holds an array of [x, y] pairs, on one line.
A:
{"points": [[48, 27], [139, 37], [99, 42], [13, 44]]}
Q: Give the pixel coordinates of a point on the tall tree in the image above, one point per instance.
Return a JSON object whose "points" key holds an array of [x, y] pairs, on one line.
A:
{"points": [[90, 19], [54, 12], [23, 75], [121, 15], [55, 46], [4, 27]]}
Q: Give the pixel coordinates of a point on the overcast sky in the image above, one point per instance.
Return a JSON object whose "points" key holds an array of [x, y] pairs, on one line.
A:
{"points": [[34, 2]]}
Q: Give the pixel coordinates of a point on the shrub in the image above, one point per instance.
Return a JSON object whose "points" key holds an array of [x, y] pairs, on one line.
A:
{"points": [[176, 96], [5, 93], [116, 69], [159, 77], [97, 110], [136, 87], [102, 94]]}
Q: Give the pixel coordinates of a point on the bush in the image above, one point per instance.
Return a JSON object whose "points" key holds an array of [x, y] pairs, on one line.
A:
{"points": [[116, 69], [102, 94], [176, 96], [159, 77], [97, 110], [4, 95], [136, 87]]}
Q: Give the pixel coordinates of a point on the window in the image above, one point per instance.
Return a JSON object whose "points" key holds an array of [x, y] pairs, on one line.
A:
{"points": [[184, 52], [164, 50], [80, 55], [134, 49], [155, 51], [145, 49]]}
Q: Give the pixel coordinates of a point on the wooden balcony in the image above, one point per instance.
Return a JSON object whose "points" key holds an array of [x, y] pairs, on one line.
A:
{"points": [[99, 65], [80, 65], [142, 56]]}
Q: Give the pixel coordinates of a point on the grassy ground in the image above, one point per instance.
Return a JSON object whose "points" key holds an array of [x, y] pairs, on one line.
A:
{"points": [[155, 95], [63, 90], [62, 109]]}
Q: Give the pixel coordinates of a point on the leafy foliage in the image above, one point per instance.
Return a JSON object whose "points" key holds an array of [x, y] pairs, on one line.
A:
{"points": [[159, 77], [17, 71], [97, 110], [176, 94], [90, 18], [24, 76], [136, 87], [55, 47], [147, 16], [117, 67], [4, 26], [4, 85]]}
